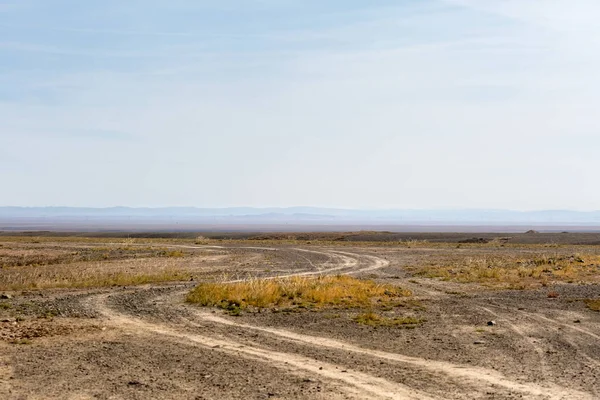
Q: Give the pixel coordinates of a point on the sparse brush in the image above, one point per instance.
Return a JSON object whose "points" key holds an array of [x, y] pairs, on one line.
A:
{"points": [[298, 292], [21, 341], [374, 319], [593, 305], [414, 243], [129, 242], [202, 240], [19, 279], [172, 253], [515, 272]]}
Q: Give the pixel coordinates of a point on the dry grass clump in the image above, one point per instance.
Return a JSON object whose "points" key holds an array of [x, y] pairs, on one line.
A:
{"points": [[172, 253], [136, 271], [516, 272], [373, 319], [414, 243], [31, 279], [298, 292], [593, 305], [44, 256], [202, 240]]}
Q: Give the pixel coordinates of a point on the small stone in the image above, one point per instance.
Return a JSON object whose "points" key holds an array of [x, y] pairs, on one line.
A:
{"points": [[479, 342], [491, 323], [577, 321], [5, 296]]}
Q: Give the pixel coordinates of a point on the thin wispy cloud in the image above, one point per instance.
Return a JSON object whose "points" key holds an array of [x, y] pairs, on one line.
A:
{"points": [[380, 104]]}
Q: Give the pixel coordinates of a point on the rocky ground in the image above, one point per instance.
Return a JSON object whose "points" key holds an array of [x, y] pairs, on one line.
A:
{"points": [[144, 341]]}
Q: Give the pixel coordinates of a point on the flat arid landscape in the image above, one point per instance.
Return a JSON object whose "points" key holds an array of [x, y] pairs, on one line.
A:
{"points": [[361, 315], [243, 200]]}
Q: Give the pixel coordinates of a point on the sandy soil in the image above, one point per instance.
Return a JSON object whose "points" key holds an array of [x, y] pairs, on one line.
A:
{"points": [[143, 342]]}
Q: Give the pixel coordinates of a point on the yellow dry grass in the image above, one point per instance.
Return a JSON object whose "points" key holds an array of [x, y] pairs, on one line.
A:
{"points": [[34, 280], [325, 291], [128, 272], [593, 305], [516, 272], [373, 319]]}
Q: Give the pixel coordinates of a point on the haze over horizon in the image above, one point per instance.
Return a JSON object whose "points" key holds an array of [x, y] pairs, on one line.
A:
{"points": [[436, 104]]}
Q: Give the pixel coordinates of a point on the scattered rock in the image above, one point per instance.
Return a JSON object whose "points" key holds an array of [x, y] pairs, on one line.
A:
{"points": [[479, 342], [491, 323], [5, 296], [577, 321]]}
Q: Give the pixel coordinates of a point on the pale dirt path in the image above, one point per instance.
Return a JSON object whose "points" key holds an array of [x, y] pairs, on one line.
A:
{"points": [[355, 383], [547, 319], [576, 331], [473, 376], [502, 318], [359, 384]]}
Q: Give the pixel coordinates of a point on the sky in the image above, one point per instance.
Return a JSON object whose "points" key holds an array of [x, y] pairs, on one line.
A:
{"points": [[342, 103]]}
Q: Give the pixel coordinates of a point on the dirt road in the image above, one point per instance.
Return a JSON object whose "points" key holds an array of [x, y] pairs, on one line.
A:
{"points": [[145, 342]]}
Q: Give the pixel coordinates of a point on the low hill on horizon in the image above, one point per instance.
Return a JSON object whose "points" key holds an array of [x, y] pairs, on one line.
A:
{"points": [[305, 214]]}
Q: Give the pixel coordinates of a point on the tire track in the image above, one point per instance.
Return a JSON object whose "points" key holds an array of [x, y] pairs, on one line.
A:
{"points": [[467, 375], [544, 369], [544, 319], [355, 383]]}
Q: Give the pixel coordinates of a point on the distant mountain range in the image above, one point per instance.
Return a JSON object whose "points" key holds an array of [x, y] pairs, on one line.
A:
{"points": [[312, 215]]}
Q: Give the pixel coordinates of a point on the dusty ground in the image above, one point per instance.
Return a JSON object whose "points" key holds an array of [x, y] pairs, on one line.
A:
{"points": [[79, 322]]}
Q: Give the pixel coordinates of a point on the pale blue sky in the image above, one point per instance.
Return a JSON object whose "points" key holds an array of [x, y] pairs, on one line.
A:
{"points": [[376, 104]]}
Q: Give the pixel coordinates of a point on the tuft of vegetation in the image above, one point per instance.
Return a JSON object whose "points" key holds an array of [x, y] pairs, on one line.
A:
{"points": [[21, 341], [513, 272], [593, 305], [20, 280], [200, 240], [373, 319], [172, 254], [414, 243], [297, 293]]}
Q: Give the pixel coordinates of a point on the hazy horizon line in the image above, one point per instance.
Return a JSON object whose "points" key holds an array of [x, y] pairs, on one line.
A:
{"points": [[339, 208]]}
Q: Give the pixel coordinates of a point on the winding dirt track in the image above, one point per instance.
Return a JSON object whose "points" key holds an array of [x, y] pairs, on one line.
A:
{"points": [[355, 383]]}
